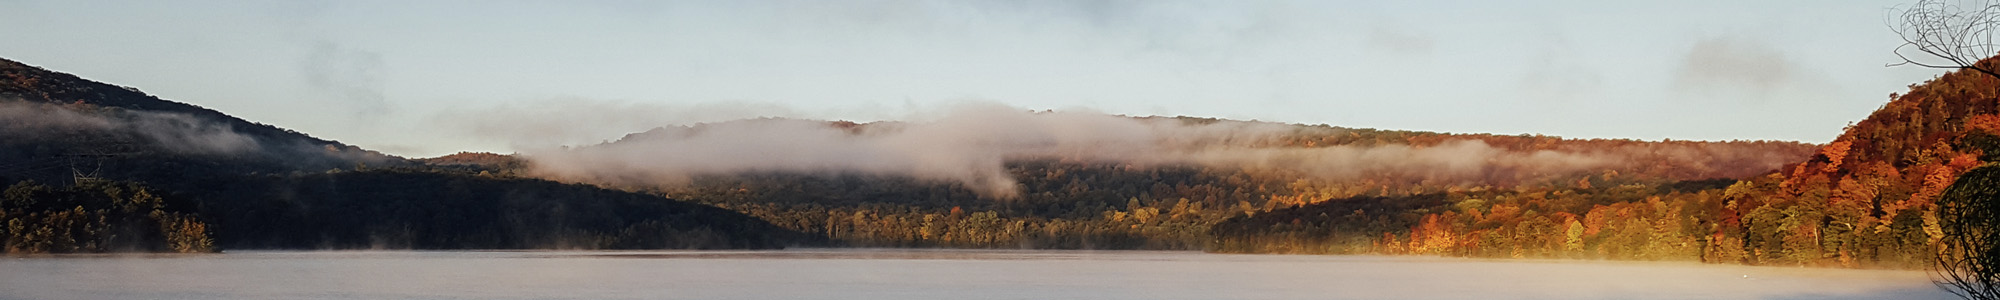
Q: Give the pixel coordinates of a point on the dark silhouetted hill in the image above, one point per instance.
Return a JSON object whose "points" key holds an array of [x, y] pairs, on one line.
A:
{"points": [[259, 186]]}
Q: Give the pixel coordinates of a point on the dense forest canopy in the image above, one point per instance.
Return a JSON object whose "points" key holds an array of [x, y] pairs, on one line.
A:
{"points": [[1867, 199], [97, 216]]}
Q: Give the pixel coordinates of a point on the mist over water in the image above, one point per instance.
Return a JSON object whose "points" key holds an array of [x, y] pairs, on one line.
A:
{"points": [[971, 144], [916, 274]]}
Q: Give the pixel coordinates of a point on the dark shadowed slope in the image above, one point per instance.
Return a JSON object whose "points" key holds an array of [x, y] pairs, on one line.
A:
{"points": [[258, 186], [57, 122], [420, 209]]}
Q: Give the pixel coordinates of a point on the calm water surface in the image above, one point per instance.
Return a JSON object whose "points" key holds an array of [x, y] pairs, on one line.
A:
{"points": [[914, 274]]}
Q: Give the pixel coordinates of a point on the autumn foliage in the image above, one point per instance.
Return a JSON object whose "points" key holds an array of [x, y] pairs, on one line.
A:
{"points": [[1866, 199]]}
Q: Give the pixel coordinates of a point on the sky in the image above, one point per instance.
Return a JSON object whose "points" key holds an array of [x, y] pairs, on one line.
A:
{"points": [[427, 78]]}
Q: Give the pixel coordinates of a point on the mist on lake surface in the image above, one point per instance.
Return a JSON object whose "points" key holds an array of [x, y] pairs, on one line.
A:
{"points": [[914, 274]]}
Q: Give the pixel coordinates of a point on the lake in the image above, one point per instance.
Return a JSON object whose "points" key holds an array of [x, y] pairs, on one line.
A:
{"points": [[913, 274]]}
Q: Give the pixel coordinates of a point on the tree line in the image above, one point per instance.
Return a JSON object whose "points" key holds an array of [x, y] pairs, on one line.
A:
{"points": [[97, 216]]}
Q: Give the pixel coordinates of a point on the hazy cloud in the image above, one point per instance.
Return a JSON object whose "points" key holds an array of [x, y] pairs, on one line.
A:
{"points": [[1555, 75], [352, 76], [1552, 78], [1399, 41], [1199, 31], [570, 121], [1735, 64]]}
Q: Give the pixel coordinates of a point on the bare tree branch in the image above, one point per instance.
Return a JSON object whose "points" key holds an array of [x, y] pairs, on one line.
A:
{"points": [[1969, 256], [1950, 35], [1958, 35]]}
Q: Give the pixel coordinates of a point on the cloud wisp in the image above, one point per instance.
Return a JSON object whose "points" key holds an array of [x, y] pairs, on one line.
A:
{"points": [[559, 122], [175, 132], [1735, 64], [353, 77]]}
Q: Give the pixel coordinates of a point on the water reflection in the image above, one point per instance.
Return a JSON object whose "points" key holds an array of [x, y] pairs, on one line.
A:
{"points": [[914, 274]]}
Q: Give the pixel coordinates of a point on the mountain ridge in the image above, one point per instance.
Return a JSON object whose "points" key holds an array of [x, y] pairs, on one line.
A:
{"points": [[256, 186], [36, 84]]}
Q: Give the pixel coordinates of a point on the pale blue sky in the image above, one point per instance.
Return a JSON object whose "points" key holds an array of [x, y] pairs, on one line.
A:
{"points": [[434, 77]]}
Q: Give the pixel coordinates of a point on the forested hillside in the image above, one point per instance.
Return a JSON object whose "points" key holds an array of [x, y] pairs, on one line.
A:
{"points": [[101, 168], [97, 216], [1072, 200], [1867, 199], [54, 117], [424, 209]]}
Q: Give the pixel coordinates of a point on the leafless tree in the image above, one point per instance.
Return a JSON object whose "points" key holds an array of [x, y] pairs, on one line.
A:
{"points": [[1948, 34], [1969, 216], [1957, 34]]}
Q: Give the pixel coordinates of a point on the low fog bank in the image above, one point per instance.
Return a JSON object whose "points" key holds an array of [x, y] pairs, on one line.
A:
{"points": [[175, 132], [971, 144]]}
